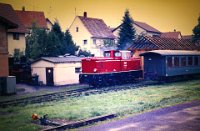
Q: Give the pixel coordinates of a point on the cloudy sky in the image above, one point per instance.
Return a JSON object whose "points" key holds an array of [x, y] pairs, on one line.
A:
{"points": [[164, 15]]}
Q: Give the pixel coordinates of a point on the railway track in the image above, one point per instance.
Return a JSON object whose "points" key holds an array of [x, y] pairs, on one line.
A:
{"points": [[72, 93]]}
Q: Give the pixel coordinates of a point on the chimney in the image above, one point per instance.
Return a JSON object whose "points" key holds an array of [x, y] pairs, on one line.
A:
{"points": [[23, 8], [85, 14]]}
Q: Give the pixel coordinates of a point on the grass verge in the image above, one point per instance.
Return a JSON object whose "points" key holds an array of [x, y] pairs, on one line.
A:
{"points": [[123, 102]]}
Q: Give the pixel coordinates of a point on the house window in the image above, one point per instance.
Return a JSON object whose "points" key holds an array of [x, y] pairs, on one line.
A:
{"points": [[84, 42], [15, 36], [176, 61], [78, 70], [76, 29], [196, 60], [183, 61], [169, 61], [190, 61], [94, 41]]}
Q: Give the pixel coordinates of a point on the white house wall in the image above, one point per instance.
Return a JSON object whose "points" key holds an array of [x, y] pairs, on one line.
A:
{"points": [[65, 73], [82, 34], [39, 68]]}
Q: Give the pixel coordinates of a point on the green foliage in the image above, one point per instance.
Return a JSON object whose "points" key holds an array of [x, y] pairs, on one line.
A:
{"points": [[196, 32], [40, 43], [53, 46], [122, 102], [84, 53], [127, 31], [36, 43], [68, 43], [17, 55]]}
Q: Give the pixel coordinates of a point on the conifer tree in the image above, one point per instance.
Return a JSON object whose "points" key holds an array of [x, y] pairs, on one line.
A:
{"points": [[196, 32], [127, 31], [69, 46]]}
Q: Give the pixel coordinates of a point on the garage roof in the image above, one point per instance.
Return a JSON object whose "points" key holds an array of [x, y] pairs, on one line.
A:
{"points": [[66, 59], [171, 52]]}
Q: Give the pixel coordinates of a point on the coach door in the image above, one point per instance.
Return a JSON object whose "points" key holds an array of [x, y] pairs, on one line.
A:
{"points": [[49, 77]]}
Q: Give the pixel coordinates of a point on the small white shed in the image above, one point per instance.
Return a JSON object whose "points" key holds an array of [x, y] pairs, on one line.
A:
{"points": [[57, 70]]}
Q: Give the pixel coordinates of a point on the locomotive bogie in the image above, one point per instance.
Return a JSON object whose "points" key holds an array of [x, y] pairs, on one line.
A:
{"points": [[114, 78]]}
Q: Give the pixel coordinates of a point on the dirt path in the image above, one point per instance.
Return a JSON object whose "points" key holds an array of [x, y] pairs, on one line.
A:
{"points": [[182, 117]]}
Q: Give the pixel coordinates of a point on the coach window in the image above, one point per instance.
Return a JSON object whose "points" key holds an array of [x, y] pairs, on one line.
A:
{"points": [[190, 61], [169, 61], [183, 61], [176, 61], [196, 61]]}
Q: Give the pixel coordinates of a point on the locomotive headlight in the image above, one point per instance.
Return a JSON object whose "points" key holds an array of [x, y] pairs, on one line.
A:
{"points": [[95, 69]]}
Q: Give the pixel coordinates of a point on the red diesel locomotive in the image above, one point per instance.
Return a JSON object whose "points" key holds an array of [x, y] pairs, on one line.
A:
{"points": [[116, 67]]}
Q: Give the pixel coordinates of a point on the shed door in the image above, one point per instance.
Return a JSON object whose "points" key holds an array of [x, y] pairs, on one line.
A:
{"points": [[49, 76]]}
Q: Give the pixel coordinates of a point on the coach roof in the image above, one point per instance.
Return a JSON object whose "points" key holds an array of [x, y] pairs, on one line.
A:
{"points": [[171, 52]]}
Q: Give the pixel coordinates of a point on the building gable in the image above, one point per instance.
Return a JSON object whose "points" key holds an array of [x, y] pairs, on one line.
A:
{"points": [[79, 32]]}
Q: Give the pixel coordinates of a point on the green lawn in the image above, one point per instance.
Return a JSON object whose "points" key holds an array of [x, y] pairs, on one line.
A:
{"points": [[124, 102]]}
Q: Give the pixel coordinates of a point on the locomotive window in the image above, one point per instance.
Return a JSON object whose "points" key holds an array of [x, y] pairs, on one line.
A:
{"points": [[117, 54], [176, 61], [107, 54], [196, 60], [183, 61], [169, 61], [190, 60]]}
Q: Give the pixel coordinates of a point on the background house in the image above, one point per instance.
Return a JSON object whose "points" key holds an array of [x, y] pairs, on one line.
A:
{"points": [[175, 34], [25, 20], [91, 34], [57, 70], [49, 24], [28, 18], [141, 28], [16, 38]]}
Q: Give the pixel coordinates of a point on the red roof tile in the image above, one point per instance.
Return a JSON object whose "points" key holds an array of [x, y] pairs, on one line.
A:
{"points": [[175, 35], [152, 43], [97, 27], [8, 16], [146, 27], [30, 17], [187, 37]]}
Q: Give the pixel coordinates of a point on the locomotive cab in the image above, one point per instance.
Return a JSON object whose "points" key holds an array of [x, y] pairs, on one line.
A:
{"points": [[116, 54]]}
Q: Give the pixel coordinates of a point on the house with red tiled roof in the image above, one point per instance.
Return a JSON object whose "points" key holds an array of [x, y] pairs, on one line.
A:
{"points": [[91, 34], [28, 18], [15, 37], [141, 28]]}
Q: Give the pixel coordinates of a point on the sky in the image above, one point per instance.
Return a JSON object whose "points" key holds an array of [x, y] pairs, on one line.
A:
{"points": [[164, 15]]}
